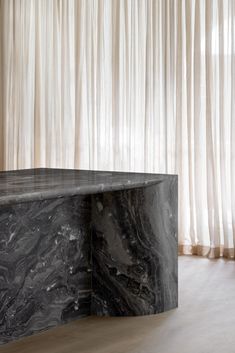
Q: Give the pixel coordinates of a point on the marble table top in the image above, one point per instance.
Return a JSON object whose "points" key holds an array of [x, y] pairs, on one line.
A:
{"points": [[45, 183]]}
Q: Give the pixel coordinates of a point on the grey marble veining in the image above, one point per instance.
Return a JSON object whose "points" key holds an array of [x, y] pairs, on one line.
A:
{"points": [[45, 183], [45, 264], [134, 251], [74, 243]]}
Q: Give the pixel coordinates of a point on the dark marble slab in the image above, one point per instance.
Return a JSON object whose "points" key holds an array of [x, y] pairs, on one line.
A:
{"points": [[39, 184], [76, 242], [45, 264], [134, 251]]}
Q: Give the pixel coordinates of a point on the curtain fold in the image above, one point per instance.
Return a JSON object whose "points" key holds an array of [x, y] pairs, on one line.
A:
{"points": [[2, 149], [127, 85]]}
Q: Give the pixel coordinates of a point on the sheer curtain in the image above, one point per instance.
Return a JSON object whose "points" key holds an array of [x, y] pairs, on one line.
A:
{"points": [[131, 85]]}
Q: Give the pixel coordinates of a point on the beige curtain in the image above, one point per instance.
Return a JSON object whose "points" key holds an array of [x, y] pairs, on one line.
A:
{"points": [[1, 90], [131, 85]]}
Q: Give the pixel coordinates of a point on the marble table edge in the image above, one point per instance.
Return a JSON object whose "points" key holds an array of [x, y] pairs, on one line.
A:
{"points": [[82, 190]]}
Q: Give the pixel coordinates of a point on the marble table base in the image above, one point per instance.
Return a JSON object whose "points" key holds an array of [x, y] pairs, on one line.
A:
{"points": [[134, 251], [112, 253]]}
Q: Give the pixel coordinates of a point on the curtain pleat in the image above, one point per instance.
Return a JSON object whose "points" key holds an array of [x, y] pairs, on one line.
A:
{"points": [[2, 147], [123, 85], [232, 120]]}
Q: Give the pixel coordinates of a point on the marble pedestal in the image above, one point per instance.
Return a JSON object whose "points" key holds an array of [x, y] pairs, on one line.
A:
{"points": [[75, 243]]}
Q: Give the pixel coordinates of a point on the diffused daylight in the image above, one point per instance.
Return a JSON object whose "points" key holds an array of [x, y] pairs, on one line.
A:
{"points": [[117, 176]]}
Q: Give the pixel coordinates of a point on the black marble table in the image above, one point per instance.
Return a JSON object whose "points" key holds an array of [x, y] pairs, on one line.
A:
{"points": [[75, 243]]}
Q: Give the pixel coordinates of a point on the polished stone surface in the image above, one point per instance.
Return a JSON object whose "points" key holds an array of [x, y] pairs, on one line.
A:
{"points": [[76, 242], [45, 264], [36, 184], [134, 251]]}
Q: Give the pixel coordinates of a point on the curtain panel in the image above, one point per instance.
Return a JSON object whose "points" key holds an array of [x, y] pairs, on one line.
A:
{"points": [[128, 85]]}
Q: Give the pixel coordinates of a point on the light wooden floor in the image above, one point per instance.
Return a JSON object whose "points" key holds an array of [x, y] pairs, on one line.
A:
{"points": [[203, 323]]}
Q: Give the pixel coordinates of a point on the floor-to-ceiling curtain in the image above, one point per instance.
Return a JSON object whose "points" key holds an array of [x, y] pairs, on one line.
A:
{"points": [[131, 85]]}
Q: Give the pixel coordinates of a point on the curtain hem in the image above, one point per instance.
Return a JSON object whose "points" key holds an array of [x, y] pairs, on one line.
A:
{"points": [[206, 251]]}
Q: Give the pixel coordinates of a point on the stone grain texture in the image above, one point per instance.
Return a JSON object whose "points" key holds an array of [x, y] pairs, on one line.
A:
{"points": [[75, 243], [134, 251], [45, 267]]}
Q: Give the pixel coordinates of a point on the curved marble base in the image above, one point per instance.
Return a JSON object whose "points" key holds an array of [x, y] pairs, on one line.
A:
{"points": [[134, 251], [110, 253]]}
